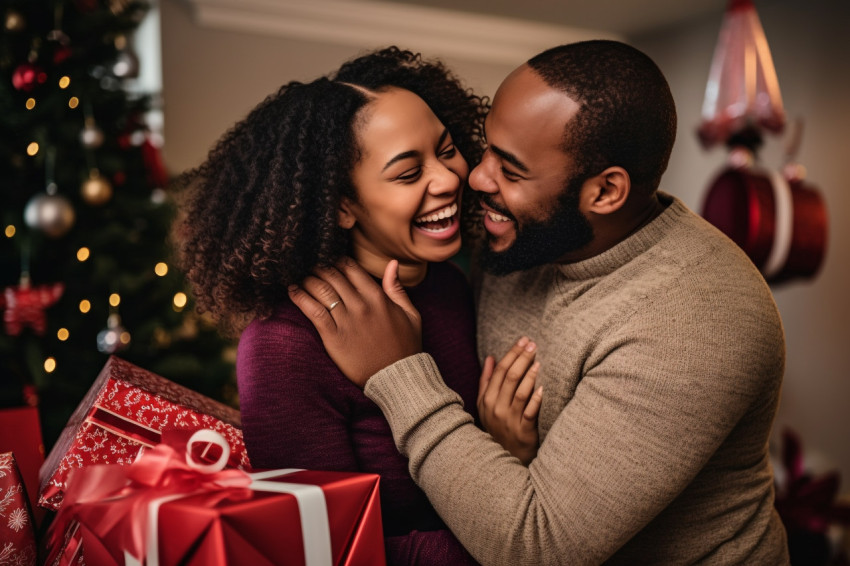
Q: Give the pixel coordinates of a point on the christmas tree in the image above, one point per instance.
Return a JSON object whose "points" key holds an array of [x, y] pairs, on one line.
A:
{"points": [[86, 268]]}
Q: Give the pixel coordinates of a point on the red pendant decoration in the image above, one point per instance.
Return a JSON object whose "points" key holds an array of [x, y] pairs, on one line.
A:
{"points": [[742, 91], [778, 219], [25, 305]]}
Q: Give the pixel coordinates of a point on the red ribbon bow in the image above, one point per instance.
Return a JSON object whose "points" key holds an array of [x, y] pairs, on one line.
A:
{"points": [[112, 501]]}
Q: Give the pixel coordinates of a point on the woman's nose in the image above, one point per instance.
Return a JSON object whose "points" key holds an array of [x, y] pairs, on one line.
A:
{"points": [[445, 181]]}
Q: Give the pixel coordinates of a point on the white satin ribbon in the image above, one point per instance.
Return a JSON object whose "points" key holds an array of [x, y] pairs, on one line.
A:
{"points": [[312, 507], [783, 233]]}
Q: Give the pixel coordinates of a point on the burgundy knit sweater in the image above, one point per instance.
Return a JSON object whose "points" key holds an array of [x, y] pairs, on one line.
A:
{"points": [[299, 411]]}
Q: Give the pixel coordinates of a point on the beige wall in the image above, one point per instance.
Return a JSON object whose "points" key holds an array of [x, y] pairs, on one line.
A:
{"points": [[212, 78], [810, 46]]}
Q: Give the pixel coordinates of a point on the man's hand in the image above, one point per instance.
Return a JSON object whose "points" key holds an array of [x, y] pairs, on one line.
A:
{"points": [[364, 328], [507, 403]]}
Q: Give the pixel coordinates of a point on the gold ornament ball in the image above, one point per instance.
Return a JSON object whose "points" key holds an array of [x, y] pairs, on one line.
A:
{"points": [[15, 21], [96, 191]]}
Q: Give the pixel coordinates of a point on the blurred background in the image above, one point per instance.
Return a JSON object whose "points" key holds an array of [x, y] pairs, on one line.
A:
{"points": [[201, 65]]}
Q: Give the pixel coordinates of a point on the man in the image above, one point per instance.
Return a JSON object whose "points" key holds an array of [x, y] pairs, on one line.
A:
{"points": [[661, 348]]}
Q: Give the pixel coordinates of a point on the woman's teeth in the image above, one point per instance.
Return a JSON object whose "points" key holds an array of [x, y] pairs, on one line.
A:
{"points": [[441, 214]]}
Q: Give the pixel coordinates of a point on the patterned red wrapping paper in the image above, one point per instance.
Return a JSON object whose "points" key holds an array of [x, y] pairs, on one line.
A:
{"points": [[17, 537], [125, 409]]}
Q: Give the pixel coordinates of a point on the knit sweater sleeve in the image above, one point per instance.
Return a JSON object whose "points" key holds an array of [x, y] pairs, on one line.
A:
{"points": [[658, 396]]}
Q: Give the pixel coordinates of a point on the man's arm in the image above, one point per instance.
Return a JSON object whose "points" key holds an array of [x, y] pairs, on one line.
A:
{"points": [[644, 420]]}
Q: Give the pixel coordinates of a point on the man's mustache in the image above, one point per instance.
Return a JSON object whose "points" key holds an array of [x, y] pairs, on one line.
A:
{"points": [[488, 200]]}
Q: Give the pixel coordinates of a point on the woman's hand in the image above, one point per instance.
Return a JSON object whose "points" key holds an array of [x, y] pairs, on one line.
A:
{"points": [[508, 405], [363, 327]]}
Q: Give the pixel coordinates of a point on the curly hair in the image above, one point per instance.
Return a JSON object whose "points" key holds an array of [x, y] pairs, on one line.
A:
{"points": [[627, 115], [261, 212]]}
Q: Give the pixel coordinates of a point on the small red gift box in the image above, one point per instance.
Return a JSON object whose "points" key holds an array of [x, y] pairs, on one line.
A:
{"points": [[20, 433], [166, 510], [17, 537], [125, 409]]}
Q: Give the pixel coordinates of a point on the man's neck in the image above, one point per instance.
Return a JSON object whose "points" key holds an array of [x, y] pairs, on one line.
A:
{"points": [[610, 231]]}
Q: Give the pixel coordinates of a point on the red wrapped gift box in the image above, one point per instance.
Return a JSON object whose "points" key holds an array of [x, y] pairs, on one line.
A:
{"points": [[20, 433], [165, 510], [17, 537], [125, 409]]}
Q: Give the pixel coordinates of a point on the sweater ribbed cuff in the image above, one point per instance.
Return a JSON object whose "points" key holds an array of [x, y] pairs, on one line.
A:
{"points": [[408, 392]]}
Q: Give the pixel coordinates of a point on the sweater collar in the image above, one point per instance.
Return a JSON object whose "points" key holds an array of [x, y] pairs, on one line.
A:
{"points": [[612, 259]]}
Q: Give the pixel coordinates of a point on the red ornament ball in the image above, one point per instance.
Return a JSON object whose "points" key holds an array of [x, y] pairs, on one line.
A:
{"points": [[27, 76]]}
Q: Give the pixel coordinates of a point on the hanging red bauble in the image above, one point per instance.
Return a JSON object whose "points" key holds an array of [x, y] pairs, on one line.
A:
{"points": [[62, 54], [25, 306], [85, 6], [157, 174], [27, 76]]}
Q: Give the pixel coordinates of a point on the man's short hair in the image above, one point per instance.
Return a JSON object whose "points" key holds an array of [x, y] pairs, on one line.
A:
{"points": [[627, 116]]}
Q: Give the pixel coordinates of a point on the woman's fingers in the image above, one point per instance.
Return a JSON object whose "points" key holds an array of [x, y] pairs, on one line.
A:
{"points": [[515, 372], [532, 409], [526, 386], [486, 375]]}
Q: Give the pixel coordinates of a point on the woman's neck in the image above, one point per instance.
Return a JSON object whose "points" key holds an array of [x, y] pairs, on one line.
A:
{"points": [[410, 274]]}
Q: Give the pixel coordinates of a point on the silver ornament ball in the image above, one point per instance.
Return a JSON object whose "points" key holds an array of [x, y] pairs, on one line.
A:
{"points": [[52, 214], [91, 136]]}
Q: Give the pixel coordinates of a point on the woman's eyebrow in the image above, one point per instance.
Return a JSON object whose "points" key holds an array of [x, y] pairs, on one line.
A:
{"points": [[414, 153]]}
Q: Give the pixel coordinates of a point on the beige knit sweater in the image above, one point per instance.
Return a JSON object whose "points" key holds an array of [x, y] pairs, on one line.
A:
{"points": [[662, 361]]}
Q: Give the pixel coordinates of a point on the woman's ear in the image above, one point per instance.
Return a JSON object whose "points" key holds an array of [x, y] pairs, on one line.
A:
{"points": [[607, 192], [346, 218]]}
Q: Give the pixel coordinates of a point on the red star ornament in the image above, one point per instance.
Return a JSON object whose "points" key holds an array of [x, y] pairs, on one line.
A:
{"points": [[25, 306]]}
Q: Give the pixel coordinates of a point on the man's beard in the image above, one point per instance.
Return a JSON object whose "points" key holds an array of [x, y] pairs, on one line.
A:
{"points": [[537, 243]]}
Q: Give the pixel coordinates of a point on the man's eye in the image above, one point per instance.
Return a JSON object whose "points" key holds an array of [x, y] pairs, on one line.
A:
{"points": [[510, 175]]}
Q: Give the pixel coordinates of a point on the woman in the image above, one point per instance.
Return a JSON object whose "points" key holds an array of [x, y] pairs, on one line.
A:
{"points": [[369, 162]]}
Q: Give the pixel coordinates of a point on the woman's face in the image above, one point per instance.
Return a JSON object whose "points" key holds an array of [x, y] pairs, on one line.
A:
{"points": [[409, 181]]}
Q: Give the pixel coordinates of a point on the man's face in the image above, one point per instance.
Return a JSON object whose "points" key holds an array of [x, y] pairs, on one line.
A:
{"points": [[528, 186]]}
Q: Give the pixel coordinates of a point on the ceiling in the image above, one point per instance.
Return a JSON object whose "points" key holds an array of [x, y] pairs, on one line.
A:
{"points": [[628, 18]]}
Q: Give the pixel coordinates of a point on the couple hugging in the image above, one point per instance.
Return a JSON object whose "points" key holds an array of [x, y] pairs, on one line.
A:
{"points": [[640, 353]]}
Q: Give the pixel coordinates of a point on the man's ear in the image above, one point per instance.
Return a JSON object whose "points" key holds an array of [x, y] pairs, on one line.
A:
{"points": [[346, 218], [607, 192]]}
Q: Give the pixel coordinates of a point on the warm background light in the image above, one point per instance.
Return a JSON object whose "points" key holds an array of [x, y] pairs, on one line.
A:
{"points": [[85, 306], [114, 299], [63, 334], [83, 254], [161, 269]]}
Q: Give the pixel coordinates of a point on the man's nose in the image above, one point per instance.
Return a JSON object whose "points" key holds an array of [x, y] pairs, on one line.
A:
{"points": [[481, 178]]}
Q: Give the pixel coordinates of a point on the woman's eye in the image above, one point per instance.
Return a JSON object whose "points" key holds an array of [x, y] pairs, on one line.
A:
{"points": [[410, 175], [448, 152]]}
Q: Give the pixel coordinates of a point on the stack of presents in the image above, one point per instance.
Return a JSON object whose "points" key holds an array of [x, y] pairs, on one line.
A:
{"points": [[149, 472]]}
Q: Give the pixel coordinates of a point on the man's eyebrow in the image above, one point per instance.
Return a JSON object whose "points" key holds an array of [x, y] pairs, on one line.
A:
{"points": [[413, 153], [510, 158]]}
